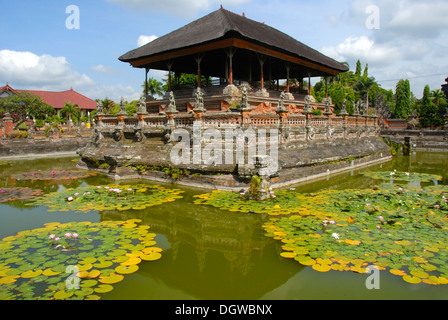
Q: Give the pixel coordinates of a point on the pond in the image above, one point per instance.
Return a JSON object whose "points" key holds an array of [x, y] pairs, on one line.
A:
{"points": [[207, 253]]}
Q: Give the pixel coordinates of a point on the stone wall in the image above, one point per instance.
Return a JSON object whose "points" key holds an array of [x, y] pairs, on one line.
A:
{"points": [[30, 147], [425, 140]]}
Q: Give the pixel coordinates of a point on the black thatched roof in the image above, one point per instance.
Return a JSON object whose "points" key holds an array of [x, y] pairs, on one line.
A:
{"points": [[222, 24]]}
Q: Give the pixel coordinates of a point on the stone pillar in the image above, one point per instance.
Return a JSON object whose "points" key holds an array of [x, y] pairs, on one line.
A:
{"points": [[8, 124]]}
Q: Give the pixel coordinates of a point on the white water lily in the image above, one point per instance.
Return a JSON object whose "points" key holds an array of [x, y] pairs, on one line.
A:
{"points": [[335, 235]]}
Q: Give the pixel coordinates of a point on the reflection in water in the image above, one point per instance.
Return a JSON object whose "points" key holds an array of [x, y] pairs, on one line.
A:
{"points": [[210, 253]]}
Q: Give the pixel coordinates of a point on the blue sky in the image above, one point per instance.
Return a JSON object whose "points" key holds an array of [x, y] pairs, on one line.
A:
{"points": [[37, 51]]}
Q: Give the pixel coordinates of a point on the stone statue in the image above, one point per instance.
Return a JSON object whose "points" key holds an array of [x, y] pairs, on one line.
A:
{"points": [[199, 101], [99, 108], [307, 108], [172, 106], [344, 108], [281, 102], [142, 105], [244, 104], [122, 107]]}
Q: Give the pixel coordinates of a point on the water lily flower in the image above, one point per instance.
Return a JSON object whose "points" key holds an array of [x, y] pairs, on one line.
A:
{"points": [[381, 218], [68, 235], [57, 239], [76, 194], [378, 227], [332, 222], [75, 235], [367, 204], [99, 187], [52, 236], [335, 236], [130, 190], [70, 199], [2, 191], [437, 206]]}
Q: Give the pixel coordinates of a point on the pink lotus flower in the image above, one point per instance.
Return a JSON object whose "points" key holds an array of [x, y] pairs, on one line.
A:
{"points": [[52, 236], [2, 191], [381, 218], [75, 235], [57, 239], [76, 194], [68, 235]]}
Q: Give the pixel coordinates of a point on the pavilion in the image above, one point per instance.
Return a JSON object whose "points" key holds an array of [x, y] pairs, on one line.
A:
{"points": [[242, 62], [234, 49]]}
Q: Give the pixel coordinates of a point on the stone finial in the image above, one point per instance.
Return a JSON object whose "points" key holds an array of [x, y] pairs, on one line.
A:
{"points": [[199, 106], [307, 108], [244, 105], [281, 103], [344, 108], [142, 105], [122, 107], [99, 108], [327, 111], [356, 112]]}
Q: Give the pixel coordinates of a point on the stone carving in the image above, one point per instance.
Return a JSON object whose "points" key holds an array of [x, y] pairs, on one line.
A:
{"points": [[172, 106], [117, 135], [310, 133], [139, 136]]}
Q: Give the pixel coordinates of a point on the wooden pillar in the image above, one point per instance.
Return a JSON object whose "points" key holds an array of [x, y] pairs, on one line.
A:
{"points": [[146, 81], [169, 65], [230, 53], [309, 85], [262, 60], [198, 61], [288, 68]]}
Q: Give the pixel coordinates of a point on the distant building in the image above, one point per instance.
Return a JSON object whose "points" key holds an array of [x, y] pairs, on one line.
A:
{"points": [[445, 88], [56, 99]]}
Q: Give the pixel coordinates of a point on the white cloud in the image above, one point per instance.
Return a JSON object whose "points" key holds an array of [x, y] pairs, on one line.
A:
{"points": [[26, 70], [32, 70], [365, 49], [104, 69], [142, 40], [182, 8]]}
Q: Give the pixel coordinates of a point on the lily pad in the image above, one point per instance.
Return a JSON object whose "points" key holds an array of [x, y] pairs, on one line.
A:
{"points": [[95, 253], [111, 197]]}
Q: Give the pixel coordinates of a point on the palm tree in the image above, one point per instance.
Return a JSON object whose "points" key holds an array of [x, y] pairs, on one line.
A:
{"points": [[363, 85], [70, 110], [155, 87], [438, 97]]}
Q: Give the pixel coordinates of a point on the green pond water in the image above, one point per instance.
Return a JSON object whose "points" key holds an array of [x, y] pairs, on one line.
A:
{"points": [[211, 254]]}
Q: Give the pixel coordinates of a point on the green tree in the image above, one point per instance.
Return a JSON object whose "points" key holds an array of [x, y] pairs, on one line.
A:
{"points": [[155, 87], [366, 71], [72, 112], [428, 110], [438, 98], [24, 106], [363, 86], [358, 69], [402, 107]]}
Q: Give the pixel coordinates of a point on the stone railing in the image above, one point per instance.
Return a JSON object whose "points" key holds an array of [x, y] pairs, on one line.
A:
{"points": [[293, 118]]}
